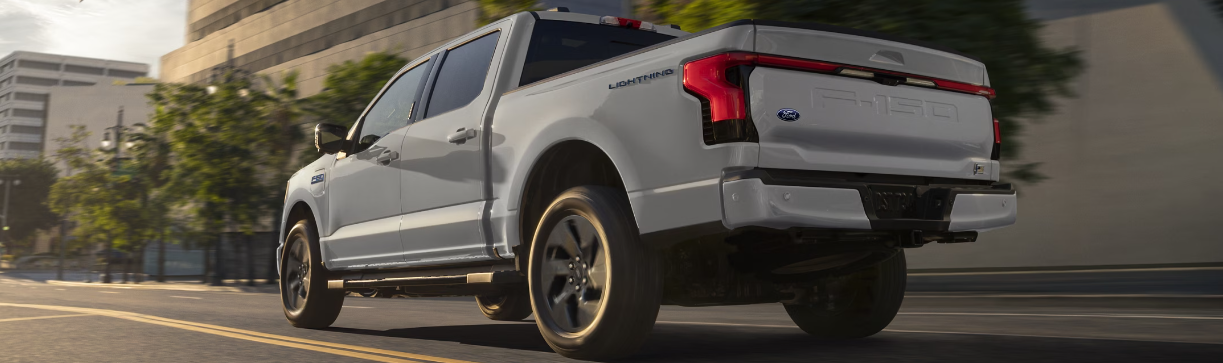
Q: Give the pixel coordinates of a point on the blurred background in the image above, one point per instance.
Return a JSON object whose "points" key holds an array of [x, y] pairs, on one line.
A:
{"points": [[1112, 115]]}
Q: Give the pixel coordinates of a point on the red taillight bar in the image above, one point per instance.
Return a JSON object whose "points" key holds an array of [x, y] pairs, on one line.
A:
{"points": [[826, 67]]}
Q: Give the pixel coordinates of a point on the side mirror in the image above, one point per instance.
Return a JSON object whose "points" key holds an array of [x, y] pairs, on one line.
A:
{"points": [[329, 138]]}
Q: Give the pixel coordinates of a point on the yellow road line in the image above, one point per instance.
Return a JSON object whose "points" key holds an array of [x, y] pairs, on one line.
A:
{"points": [[377, 358], [308, 344], [43, 317]]}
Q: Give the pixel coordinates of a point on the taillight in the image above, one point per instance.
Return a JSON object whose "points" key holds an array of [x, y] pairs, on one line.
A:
{"points": [[724, 108], [997, 153]]}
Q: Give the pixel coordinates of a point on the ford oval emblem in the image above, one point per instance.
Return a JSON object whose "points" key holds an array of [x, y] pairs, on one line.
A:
{"points": [[787, 114]]}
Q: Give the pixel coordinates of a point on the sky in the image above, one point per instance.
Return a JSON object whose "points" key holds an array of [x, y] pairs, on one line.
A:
{"points": [[127, 30]]}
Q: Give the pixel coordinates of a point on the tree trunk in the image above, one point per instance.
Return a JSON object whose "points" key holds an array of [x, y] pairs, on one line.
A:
{"points": [[207, 265], [161, 257], [250, 259]]}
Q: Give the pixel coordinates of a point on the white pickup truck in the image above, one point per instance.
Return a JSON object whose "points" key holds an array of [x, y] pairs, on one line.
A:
{"points": [[588, 169]]}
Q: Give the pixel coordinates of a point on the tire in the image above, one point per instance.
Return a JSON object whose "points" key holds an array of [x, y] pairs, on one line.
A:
{"points": [[513, 306], [609, 308], [855, 305], [304, 296]]}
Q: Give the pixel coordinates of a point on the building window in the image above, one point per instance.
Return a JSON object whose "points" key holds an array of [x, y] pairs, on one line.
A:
{"points": [[4, 97], [21, 112], [84, 69], [19, 129], [24, 146], [22, 96], [46, 66], [77, 83], [124, 74], [36, 81]]}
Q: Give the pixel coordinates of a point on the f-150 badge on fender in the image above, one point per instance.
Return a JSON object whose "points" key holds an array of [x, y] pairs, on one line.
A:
{"points": [[642, 79], [316, 179], [787, 114]]}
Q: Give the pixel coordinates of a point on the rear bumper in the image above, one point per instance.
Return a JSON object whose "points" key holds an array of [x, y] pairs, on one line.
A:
{"points": [[789, 199]]}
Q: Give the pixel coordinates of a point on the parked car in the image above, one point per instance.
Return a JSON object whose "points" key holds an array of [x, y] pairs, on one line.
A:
{"points": [[587, 169]]}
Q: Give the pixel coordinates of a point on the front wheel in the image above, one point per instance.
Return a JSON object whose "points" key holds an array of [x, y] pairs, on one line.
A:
{"points": [[595, 288], [856, 305], [304, 295]]}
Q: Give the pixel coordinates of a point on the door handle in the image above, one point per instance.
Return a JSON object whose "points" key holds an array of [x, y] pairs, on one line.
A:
{"points": [[461, 135], [387, 156]]}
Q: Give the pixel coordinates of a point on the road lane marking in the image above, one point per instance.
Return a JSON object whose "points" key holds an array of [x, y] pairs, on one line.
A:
{"points": [[1114, 296], [287, 341], [60, 290], [109, 292], [357, 307], [44, 317], [188, 297], [346, 353], [1047, 336], [728, 324], [1109, 270], [951, 332], [1184, 317]]}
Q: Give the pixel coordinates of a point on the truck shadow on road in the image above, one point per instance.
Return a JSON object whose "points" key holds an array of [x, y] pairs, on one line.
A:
{"points": [[677, 342], [518, 336]]}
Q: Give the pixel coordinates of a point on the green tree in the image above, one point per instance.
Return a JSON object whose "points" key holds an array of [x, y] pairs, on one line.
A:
{"points": [[106, 205], [1027, 74], [350, 86], [218, 140], [492, 10], [27, 209]]}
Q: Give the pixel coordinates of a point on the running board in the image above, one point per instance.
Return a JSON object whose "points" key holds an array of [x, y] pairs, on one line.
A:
{"points": [[499, 277]]}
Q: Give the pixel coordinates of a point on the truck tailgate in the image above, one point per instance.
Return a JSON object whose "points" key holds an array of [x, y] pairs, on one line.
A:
{"points": [[859, 125]]}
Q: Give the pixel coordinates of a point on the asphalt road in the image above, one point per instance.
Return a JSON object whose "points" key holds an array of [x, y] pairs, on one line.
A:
{"points": [[50, 323]]}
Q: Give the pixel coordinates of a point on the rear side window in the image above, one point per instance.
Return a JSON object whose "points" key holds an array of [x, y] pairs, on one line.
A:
{"points": [[462, 75], [561, 46]]}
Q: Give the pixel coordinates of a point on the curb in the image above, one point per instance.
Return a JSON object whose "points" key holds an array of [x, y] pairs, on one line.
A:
{"points": [[173, 287]]}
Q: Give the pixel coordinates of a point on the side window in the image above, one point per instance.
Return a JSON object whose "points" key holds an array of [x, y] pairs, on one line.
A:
{"points": [[394, 109], [462, 75]]}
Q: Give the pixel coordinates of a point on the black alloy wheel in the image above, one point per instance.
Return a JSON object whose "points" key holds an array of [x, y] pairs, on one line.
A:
{"points": [[594, 287], [306, 301]]}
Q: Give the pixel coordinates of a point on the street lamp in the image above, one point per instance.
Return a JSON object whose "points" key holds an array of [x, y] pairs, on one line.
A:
{"points": [[106, 144]]}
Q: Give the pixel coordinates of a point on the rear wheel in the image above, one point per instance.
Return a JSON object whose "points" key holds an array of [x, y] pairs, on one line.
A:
{"points": [[855, 305], [595, 288], [511, 306], [304, 295]]}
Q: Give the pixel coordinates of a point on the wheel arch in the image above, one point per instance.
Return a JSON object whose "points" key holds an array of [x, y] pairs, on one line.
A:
{"points": [[562, 165]]}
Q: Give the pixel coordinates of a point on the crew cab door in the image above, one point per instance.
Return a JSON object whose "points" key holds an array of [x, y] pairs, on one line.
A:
{"points": [[444, 168], [364, 190]]}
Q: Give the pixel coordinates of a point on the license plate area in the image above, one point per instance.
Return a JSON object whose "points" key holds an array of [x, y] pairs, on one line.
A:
{"points": [[909, 202]]}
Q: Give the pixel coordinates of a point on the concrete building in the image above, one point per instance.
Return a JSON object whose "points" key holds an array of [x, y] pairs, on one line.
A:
{"points": [[1132, 161], [94, 107], [270, 36], [25, 80]]}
